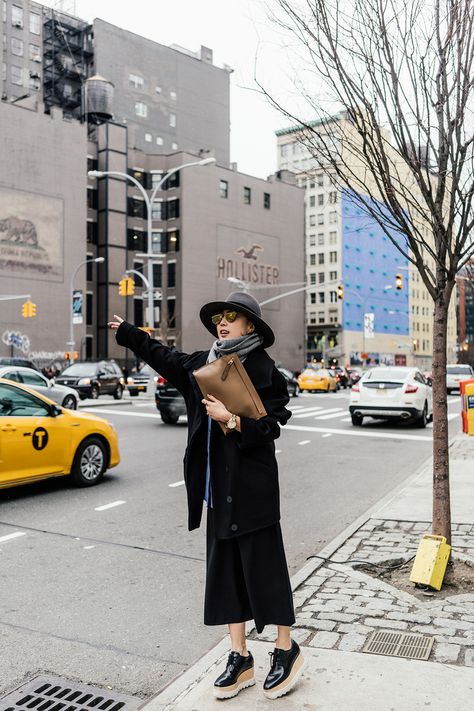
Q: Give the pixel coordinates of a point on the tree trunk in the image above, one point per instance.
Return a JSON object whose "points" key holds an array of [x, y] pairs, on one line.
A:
{"points": [[441, 496]]}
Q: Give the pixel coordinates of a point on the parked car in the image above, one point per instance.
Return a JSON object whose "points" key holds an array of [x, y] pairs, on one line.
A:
{"points": [[386, 392], [169, 401], [39, 440], [321, 379], [455, 374], [60, 394], [139, 382], [291, 381], [93, 379], [23, 362], [342, 376]]}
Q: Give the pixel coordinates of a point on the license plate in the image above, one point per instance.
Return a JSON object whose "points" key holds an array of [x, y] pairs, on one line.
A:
{"points": [[141, 387]]}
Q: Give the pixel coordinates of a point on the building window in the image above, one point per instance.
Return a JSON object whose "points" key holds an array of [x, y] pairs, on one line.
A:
{"points": [[4, 10], [172, 181], [139, 175], [320, 199], [89, 267], [333, 257], [332, 276], [135, 207], [321, 218], [138, 267], [4, 71], [321, 277], [320, 239], [312, 220], [35, 53], [91, 232], [312, 240], [333, 297], [173, 241], [171, 313], [155, 178], [321, 317], [157, 210], [92, 198], [157, 275], [321, 180], [173, 120], [247, 196], [17, 16], [321, 297], [34, 83], [312, 298], [135, 81], [159, 141], [148, 137], [321, 258], [172, 209], [141, 109], [89, 309], [136, 241], [333, 217], [138, 312], [312, 201], [158, 242], [35, 23], [266, 201], [312, 259], [17, 47], [312, 278], [332, 237], [174, 146], [171, 275], [333, 197], [223, 188]]}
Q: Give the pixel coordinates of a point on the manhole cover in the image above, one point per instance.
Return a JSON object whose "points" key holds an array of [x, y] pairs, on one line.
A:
{"points": [[399, 644], [51, 693]]}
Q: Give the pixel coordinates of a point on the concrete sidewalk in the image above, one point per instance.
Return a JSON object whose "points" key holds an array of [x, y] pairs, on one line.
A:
{"points": [[338, 607]]}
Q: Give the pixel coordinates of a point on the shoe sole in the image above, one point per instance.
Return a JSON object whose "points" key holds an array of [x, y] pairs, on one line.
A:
{"points": [[245, 680], [290, 682]]}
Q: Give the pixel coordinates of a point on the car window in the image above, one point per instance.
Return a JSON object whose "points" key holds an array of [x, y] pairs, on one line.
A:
{"points": [[80, 369], [386, 374], [459, 370], [420, 378], [109, 368], [17, 403], [12, 375], [33, 379]]}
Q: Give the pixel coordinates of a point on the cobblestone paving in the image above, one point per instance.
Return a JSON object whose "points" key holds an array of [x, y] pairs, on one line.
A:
{"points": [[338, 607]]}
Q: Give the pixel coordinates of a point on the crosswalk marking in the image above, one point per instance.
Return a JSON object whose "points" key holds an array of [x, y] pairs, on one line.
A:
{"points": [[332, 415], [309, 411], [10, 536]]}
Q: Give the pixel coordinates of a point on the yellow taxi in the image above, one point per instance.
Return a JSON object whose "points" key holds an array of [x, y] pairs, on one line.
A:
{"points": [[39, 439], [320, 379]]}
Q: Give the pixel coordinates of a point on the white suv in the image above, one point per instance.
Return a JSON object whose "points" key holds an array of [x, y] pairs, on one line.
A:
{"points": [[455, 374], [392, 392]]}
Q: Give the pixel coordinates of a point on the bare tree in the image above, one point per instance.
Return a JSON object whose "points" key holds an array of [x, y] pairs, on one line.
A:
{"points": [[398, 74]]}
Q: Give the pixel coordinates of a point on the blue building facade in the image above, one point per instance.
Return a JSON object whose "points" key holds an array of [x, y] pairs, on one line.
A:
{"points": [[369, 264]]}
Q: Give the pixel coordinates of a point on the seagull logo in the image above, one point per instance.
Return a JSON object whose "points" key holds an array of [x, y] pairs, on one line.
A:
{"points": [[249, 253]]}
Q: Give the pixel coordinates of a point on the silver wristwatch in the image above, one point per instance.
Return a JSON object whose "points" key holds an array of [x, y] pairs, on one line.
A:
{"points": [[231, 423]]}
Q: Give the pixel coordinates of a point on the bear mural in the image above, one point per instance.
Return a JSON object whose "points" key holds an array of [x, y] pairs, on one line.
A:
{"points": [[13, 229]]}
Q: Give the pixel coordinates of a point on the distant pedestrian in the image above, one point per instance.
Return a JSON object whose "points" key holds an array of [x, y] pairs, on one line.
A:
{"points": [[237, 475]]}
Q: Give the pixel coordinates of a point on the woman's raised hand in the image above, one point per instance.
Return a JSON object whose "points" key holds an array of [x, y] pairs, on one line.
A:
{"points": [[115, 323]]}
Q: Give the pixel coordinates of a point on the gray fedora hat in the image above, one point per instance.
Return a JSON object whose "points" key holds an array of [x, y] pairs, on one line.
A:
{"points": [[243, 303]]}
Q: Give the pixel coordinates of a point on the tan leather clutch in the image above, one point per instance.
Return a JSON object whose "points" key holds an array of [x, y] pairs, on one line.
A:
{"points": [[228, 381]]}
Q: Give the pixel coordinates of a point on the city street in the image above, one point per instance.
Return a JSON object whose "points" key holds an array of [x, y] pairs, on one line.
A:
{"points": [[105, 584]]}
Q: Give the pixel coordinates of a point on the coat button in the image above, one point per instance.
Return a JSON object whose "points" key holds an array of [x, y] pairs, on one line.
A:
{"points": [[229, 499], [234, 527]]}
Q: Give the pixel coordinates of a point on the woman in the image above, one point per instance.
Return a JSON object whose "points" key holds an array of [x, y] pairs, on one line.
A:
{"points": [[237, 475]]}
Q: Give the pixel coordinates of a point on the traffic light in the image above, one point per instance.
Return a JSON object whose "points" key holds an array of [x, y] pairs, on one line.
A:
{"points": [[399, 281], [340, 291], [28, 309], [126, 286], [71, 355]]}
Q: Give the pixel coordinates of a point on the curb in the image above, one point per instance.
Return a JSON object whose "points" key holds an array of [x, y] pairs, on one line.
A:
{"points": [[95, 403], [186, 680]]}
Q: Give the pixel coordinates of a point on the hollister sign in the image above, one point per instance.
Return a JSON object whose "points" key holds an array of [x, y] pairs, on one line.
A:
{"points": [[245, 260]]}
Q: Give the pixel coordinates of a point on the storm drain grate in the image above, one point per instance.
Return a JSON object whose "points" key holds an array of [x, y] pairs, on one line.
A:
{"points": [[50, 693], [399, 644]]}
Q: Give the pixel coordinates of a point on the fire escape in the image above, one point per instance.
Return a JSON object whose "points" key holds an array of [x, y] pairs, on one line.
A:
{"points": [[67, 54]]}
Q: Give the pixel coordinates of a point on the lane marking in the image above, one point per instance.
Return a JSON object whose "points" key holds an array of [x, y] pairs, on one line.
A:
{"points": [[358, 433], [10, 536], [177, 483], [304, 441], [88, 548], [326, 435], [109, 506], [127, 413], [346, 419]]}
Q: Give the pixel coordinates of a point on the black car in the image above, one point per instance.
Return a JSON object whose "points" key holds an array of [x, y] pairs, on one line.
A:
{"points": [[23, 362], [94, 379], [169, 402], [342, 376], [291, 382]]}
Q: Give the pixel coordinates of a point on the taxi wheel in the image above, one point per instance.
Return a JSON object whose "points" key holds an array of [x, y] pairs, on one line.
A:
{"points": [[90, 462]]}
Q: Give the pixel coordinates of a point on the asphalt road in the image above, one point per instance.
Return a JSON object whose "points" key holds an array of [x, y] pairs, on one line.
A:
{"points": [[113, 596]]}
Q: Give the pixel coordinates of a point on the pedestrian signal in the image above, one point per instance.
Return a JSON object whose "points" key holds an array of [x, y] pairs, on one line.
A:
{"points": [[340, 291], [28, 309], [126, 286], [399, 281], [71, 355]]}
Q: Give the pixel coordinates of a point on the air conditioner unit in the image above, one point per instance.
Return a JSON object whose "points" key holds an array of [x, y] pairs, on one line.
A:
{"points": [[18, 23], [36, 58], [34, 75]]}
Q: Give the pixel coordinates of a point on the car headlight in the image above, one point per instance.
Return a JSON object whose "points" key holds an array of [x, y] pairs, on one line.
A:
{"points": [[130, 380], [84, 381]]}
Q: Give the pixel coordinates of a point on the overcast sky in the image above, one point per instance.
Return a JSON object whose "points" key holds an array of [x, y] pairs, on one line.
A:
{"points": [[241, 35]]}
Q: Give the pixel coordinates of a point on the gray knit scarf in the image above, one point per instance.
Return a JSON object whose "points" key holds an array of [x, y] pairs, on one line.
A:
{"points": [[242, 346]]}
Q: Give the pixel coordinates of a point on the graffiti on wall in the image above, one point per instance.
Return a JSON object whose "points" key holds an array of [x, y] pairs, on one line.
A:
{"points": [[31, 229]]}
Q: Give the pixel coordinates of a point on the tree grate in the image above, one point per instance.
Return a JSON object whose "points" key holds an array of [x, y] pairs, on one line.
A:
{"points": [[51, 693], [398, 644]]}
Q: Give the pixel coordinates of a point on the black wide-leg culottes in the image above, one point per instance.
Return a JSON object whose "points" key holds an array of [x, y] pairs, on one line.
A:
{"points": [[247, 579]]}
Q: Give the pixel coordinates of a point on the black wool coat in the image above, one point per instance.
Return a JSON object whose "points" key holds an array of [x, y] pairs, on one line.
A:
{"points": [[244, 471]]}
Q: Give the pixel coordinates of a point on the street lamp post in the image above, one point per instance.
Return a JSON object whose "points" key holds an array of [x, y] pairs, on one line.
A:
{"points": [[149, 201], [97, 260]]}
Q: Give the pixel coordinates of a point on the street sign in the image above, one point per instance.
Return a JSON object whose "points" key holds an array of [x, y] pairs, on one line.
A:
{"points": [[77, 302], [369, 325]]}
